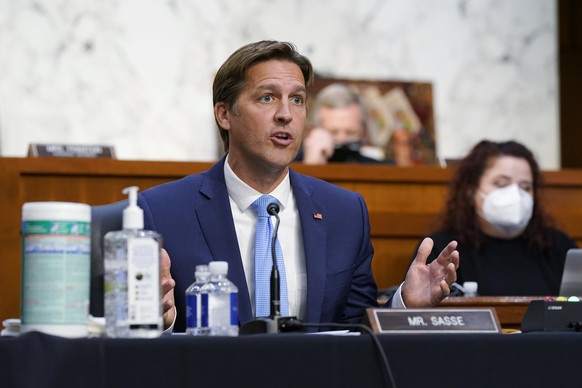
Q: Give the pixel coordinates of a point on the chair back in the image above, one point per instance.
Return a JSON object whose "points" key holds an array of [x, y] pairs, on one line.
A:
{"points": [[104, 218]]}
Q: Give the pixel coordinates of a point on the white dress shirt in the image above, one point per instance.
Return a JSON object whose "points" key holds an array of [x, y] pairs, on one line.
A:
{"points": [[245, 218]]}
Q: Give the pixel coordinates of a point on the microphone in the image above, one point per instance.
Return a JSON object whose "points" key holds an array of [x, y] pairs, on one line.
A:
{"points": [[273, 209], [275, 323]]}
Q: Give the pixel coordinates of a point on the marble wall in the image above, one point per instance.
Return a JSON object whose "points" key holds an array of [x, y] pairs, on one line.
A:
{"points": [[137, 74]]}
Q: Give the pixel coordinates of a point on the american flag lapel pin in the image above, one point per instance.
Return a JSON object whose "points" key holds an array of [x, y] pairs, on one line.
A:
{"points": [[317, 216]]}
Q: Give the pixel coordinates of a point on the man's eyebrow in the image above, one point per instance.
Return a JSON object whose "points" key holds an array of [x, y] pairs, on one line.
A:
{"points": [[300, 88], [296, 89]]}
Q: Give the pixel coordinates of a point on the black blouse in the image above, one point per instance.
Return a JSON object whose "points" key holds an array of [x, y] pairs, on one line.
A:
{"points": [[509, 267]]}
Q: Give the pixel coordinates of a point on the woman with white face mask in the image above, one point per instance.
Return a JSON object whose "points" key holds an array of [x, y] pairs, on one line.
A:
{"points": [[506, 242]]}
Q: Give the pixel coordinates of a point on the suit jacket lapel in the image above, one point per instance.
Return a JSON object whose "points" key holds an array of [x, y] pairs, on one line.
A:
{"points": [[314, 232], [222, 241]]}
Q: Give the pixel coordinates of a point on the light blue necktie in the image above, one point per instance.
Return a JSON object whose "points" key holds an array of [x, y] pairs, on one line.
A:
{"points": [[264, 261]]}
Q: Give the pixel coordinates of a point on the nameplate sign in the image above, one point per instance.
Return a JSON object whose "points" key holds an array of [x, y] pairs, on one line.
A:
{"points": [[438, 320], [71, 151]]}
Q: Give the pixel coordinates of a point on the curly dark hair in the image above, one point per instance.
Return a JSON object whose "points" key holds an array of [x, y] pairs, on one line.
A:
{"points": [[460, 216]]}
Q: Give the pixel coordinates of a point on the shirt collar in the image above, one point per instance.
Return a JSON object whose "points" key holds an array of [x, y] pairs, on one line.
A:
{"points": [[244, 195]]}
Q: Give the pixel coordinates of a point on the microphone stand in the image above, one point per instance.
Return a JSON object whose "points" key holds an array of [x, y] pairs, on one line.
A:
{"points": [[273, 209], [275, 323]]}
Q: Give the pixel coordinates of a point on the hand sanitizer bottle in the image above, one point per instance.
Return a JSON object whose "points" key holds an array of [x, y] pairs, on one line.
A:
{"points": [[133, 299]]}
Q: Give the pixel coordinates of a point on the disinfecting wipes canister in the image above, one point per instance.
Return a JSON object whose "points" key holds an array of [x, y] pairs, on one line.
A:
{"points": [[56, 266]]}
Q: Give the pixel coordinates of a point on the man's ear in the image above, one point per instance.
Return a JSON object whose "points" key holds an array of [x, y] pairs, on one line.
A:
{"points": [[222, 115]]}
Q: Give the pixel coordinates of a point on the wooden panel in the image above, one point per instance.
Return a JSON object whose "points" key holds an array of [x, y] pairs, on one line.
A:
{"points": [[403, 202], [392, 257], [10, 243], [510, 309]]}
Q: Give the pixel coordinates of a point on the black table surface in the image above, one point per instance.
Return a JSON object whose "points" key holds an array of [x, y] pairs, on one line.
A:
{"points": [[294, 360]]}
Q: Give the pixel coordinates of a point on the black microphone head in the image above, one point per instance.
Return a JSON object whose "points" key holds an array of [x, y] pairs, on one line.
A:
{"points": [[273, 209]]}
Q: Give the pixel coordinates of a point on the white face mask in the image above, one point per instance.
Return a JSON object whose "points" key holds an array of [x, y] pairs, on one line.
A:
{"points": [[508, 209]]}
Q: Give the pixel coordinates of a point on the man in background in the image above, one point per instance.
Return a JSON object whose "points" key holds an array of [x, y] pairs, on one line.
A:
{"points": [[340, 125]]}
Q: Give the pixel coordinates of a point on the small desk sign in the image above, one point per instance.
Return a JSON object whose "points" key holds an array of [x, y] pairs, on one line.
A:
{"points": [[70, 151], [435, 320]]}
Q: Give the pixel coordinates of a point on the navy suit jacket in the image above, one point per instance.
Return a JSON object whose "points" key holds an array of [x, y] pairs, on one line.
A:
{"points": [[193, 216]]}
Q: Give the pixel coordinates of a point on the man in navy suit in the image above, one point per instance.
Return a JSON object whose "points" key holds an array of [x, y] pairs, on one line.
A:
{"points": [[259, 97]]}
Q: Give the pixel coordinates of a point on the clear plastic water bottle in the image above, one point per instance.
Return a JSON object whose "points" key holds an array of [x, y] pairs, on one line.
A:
{"points": [[220, 301], [195, 325], [471, 289]]}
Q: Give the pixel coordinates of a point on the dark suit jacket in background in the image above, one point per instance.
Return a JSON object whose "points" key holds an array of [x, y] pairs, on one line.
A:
{"points": [[193, 216]]}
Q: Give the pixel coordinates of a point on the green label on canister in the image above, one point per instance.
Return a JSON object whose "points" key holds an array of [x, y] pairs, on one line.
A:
{"points": [[56, 227], [56, 266]]}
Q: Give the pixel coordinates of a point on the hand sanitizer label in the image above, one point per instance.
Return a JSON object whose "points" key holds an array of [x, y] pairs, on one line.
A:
{"points": [[143, 283]]}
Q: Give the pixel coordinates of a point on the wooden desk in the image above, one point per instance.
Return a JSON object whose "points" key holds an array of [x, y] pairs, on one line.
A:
{"points": [[403, 202], [510, 309]]}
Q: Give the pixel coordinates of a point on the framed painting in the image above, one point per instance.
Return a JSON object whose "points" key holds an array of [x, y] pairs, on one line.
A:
{"points": [[400, 118]]}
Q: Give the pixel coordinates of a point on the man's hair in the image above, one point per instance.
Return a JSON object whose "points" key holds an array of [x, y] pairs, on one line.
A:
{"points": [[460, 215], [231, 78], [338, 95]]}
